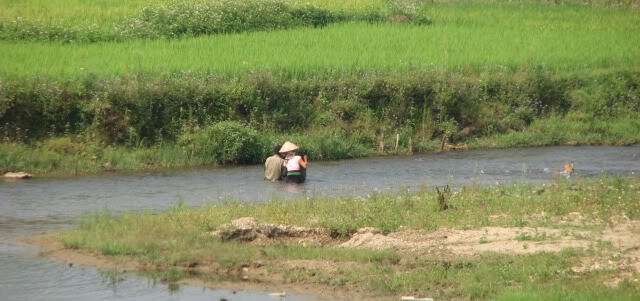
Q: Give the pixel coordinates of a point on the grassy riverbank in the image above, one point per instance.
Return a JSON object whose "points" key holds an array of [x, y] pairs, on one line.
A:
{"points": [[87, 125], [72, 156], [554, 242]]}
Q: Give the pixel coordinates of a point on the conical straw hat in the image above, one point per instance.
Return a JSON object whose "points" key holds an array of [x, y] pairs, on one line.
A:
{"points": [[288, 147]]}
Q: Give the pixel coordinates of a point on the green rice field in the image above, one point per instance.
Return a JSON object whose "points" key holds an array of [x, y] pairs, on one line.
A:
{"points": [[464, 36], [338, 48]]}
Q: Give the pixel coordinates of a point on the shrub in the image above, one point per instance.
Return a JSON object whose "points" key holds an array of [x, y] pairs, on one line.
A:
{"points": [[226, 142], [330, 145], [64, 145]]}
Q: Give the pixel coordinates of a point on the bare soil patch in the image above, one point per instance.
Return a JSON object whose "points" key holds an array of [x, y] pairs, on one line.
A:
{"points": [[471, 242], [620, 240]]}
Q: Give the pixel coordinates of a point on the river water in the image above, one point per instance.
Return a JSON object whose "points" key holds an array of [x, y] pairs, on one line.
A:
{"points": [[45, 205]]}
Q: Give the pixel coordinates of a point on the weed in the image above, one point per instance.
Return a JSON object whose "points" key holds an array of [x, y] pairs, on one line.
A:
{"points": [[484, 240], [537, 236]]}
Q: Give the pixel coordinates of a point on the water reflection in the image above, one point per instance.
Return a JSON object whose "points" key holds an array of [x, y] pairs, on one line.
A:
{"points": [[25, 276]]}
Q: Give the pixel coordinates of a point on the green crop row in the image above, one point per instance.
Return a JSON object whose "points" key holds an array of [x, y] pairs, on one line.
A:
{"points": [[349, 48]]}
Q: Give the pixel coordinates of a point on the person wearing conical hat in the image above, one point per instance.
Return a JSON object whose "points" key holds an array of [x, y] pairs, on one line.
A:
{"points": [[288, 147], [296, 165]]}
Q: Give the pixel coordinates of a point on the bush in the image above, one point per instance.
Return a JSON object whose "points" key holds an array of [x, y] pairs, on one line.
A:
{"points": [[226, 142], [64, 145], [330, 145]]}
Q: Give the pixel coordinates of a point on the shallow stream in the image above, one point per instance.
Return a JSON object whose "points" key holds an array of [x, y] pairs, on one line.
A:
{"points": [[45, 205]]}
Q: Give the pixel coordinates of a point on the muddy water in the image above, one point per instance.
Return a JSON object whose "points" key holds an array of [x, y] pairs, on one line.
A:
{"points": [[44, 205]]}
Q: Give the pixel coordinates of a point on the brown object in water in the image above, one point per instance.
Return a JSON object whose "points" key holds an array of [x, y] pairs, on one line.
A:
{"points": [[456, 147], [18, 175], [568, 168]]}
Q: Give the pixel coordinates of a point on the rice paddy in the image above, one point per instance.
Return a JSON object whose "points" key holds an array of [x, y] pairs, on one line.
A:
{"points": [[343, 48], [475, 37]]}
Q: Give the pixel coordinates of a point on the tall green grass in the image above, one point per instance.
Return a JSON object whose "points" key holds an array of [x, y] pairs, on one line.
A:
{"points": [[567, 44], [557, 130]]}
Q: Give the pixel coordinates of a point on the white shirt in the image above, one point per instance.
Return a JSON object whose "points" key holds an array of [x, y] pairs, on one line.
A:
{"points": [[294, 163]]}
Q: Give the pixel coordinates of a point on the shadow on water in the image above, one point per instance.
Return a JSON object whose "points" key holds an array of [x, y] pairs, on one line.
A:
{"points": [[44, 205]]}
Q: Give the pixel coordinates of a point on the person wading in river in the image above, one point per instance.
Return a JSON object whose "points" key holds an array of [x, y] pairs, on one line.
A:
{"points": [[273, 166], [295, 166]]}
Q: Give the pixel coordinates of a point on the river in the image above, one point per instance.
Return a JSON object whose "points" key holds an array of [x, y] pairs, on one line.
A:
{"points": [[51, 204]]}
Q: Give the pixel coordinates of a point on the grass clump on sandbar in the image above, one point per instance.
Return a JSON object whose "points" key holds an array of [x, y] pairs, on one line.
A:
{"points": [[574, 239]]}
